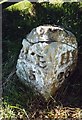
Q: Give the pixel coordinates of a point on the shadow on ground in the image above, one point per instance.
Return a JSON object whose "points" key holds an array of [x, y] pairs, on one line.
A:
{"points": [[14, 92]]}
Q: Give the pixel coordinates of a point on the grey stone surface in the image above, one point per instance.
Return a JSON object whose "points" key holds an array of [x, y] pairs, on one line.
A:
{"points": [[47, 58]]}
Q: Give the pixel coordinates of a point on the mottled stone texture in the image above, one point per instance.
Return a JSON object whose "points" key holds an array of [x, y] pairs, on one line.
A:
{"points": [[48, 57]]}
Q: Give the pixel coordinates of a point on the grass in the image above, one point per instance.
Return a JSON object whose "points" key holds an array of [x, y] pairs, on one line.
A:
{"points": [[12, 112], [20, 101]]}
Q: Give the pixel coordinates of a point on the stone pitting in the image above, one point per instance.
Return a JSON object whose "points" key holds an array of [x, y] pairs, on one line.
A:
{"points": [[48, 57]]}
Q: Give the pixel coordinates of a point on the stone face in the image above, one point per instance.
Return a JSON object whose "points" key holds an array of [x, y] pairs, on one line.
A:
{"points": [[48, 57]]}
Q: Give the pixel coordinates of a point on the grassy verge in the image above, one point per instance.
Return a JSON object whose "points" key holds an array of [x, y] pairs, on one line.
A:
{"points": [[19, 101]]}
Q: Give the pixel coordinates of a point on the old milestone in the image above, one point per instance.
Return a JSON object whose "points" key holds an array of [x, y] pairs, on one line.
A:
{"points": [[47, 58]]}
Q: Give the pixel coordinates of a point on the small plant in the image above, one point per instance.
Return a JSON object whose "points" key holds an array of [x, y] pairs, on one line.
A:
{"points": [[10, 112]]}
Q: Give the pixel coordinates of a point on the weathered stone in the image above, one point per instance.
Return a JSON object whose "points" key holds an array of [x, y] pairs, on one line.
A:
{"points": [[48, 57]]}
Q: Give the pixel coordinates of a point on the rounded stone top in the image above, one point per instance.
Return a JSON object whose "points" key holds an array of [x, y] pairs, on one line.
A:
{"points": [[49, 33]]}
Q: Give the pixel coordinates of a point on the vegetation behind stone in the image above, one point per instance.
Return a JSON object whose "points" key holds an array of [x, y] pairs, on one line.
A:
{"points": [[17, 21]]}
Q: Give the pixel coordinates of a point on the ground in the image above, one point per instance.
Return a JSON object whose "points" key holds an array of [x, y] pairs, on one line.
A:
{"points": [[20, 101]]}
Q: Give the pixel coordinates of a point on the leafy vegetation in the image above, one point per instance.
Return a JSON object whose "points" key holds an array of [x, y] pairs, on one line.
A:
{"points": [[21, 102]]}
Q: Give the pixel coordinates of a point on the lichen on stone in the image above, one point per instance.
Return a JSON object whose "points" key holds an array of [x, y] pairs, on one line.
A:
{"points": [[48, 57]]}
